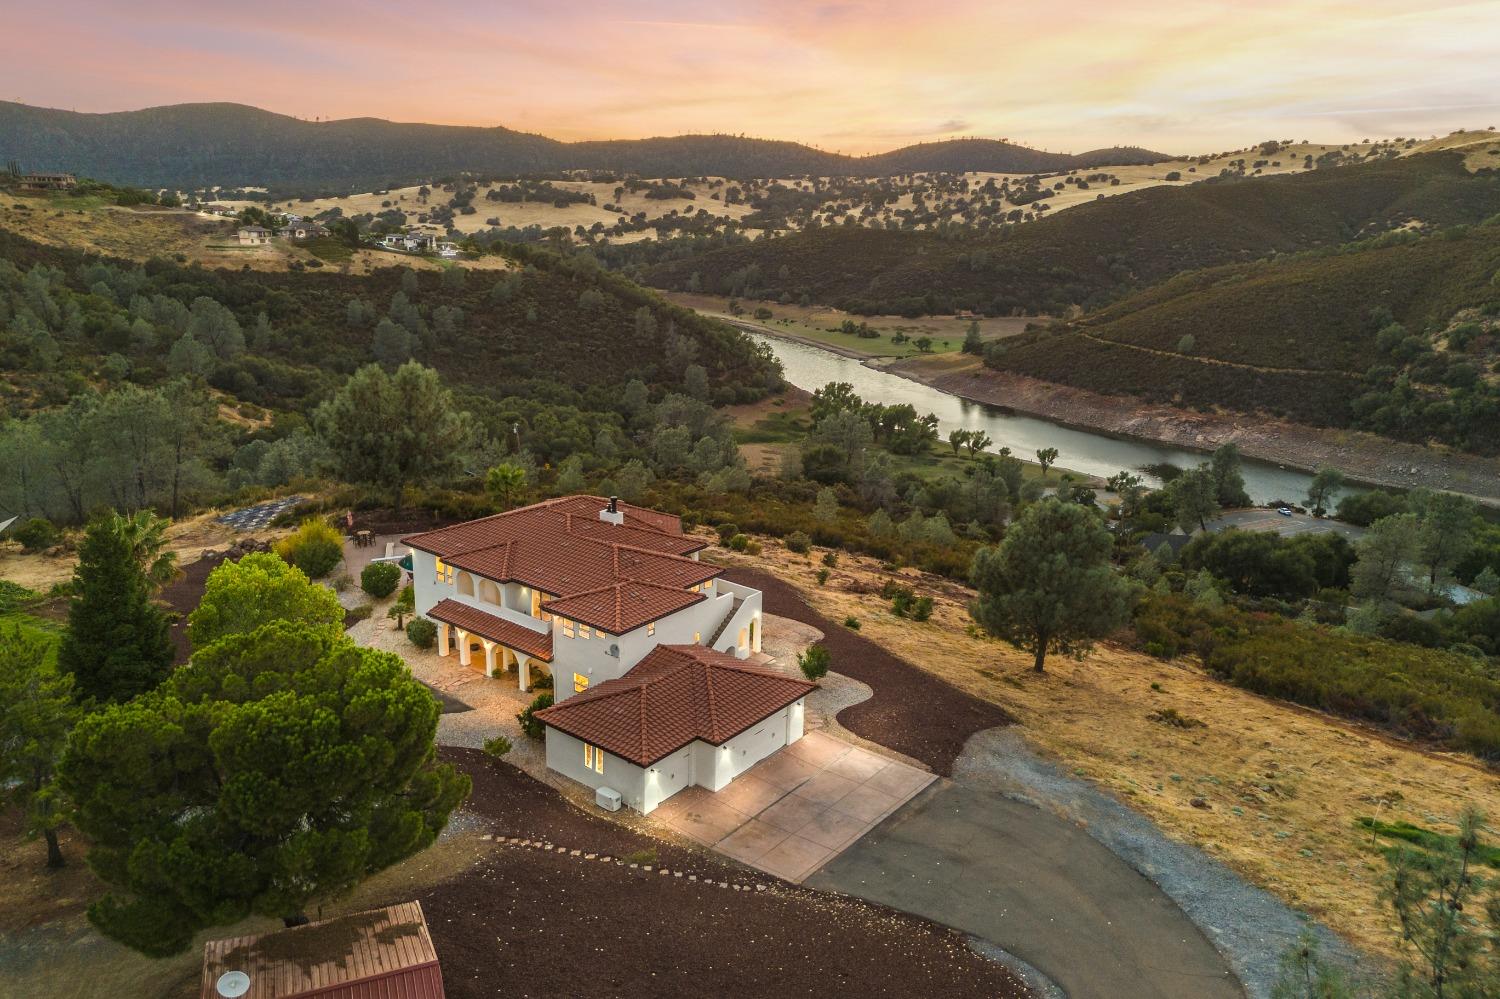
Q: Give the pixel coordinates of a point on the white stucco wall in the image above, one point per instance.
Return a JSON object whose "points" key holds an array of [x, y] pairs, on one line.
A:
{"points": [[565, 755], [698, 763]]}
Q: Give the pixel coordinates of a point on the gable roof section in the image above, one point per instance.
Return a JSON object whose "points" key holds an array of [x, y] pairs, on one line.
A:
{"points": [[675, 695], [496, 629], [364, 955]]}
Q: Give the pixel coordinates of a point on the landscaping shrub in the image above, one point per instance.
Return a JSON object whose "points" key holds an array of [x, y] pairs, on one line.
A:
{"points": [[530, 724], [360, 612], [315, 548], [379, 579], [421, 632], [739, 543], [851, 622], [543, 682], [37, 534], [814, 662], [822, 576], [498, 746], [798, 542]]}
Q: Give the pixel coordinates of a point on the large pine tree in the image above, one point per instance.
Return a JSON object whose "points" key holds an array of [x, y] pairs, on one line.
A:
{"points": [[117, 643]]}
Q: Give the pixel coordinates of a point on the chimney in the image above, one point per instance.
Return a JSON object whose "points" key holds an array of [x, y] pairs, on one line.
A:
{"points": [[612, 512]]}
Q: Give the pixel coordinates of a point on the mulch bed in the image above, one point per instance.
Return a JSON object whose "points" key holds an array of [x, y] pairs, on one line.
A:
{"points": [[387, 521], [912, 711], [182, 595], [532, 923]]}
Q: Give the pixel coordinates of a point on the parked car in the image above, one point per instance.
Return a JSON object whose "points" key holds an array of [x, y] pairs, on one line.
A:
{"points": [[1285, 511]]}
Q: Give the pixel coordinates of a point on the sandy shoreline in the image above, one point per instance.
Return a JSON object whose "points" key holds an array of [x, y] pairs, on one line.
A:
{"points": [[1365, 457]]}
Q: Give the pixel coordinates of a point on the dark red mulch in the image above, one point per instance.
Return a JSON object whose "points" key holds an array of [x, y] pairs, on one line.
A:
{"points": [[523, 923], [912, 711], [181, 595], [386, 521]]}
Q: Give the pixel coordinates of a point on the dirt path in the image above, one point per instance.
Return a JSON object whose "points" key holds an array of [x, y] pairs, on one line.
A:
{"points": [[1361, 456], [1174, 356]]}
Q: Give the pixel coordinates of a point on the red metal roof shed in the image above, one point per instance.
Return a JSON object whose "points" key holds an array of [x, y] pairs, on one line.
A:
{"points": [[380, 954]]}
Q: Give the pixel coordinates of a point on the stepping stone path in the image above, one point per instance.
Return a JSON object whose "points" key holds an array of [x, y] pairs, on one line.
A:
{"points": [[528, 844], [255, 518]]}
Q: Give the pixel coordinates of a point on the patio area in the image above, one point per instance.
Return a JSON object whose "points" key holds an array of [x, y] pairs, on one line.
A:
{"points": [[792, 813]]}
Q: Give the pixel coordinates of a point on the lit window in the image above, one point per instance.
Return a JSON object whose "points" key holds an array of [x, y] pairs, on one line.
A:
{"points": [[583, 631], [580, 683], [567, 628], [444, 572], [697, 637], [593, 759], [651, 628]]}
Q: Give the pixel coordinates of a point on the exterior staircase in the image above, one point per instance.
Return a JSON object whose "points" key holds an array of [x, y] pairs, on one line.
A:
{"points": [[718, 633]]}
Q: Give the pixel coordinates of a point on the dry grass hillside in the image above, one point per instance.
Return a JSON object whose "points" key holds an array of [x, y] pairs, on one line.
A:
{"points": [[1280, 787], [139, 233], [1261, 161]]}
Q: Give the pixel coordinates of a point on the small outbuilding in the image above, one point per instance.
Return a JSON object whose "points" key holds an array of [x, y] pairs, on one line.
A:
{"points": [[380, 954]]}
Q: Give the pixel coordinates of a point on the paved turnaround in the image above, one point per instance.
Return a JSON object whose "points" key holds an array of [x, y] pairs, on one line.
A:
{"points": [[1036, 886]]}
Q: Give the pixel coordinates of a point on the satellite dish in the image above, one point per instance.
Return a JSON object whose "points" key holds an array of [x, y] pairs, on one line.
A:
{"points": [[232, 984]]}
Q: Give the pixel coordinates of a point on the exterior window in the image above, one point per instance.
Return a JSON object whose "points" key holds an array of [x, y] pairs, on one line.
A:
{"points": [[580, 683], [583, 631], [697, 637], [651, 628], [593, 758], [444, 572], [567, 628]]}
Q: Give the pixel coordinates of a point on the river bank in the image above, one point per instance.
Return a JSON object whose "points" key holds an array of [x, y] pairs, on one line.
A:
{"points": [[1370, 459]]}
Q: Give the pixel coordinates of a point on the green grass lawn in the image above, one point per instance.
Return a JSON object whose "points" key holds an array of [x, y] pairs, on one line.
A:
{"points": [[16, 603]]}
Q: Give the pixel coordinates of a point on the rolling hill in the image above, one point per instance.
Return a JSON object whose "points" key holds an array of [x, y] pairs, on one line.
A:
{"points": [[1399, 336], [232, 145], [1091, 254]]}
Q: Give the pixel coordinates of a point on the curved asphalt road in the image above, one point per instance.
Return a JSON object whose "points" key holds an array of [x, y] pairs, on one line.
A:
{"points": [[1037, 886]]}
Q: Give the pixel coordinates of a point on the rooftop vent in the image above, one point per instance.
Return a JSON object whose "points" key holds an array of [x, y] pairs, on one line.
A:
{"points": [[612, 513]]}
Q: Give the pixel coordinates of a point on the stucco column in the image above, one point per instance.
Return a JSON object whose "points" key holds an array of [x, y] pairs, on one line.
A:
{"points": [[523, 671], [463, 647], [755, 631], [442, 638], [489, 657]]}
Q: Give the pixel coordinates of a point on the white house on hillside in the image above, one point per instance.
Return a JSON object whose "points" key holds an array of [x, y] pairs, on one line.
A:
{"points": [[646, 644]]}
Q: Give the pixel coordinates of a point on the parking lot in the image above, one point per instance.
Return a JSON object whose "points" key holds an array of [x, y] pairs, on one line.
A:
{"points": [[1297, 523]]}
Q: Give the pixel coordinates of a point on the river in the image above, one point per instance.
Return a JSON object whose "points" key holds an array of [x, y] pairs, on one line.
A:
{"points": [[1086, 451]]}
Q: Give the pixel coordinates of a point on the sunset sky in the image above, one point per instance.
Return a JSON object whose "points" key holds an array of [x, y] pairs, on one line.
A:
{"points": [[855, 77]]}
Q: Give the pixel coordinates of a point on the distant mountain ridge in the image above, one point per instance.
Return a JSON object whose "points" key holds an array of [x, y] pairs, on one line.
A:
{"points": [[234, 145]]}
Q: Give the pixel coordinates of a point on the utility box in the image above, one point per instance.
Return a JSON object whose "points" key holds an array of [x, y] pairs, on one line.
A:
{"points": [[607, 798]]}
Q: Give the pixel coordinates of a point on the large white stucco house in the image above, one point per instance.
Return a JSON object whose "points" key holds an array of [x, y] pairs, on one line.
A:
{"points": [[646, 644]]}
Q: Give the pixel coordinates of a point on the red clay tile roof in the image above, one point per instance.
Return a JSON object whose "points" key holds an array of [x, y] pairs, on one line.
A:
{"points": [[381, 954], [621, 607], [677, 694], [496, 629], [562, 548]]}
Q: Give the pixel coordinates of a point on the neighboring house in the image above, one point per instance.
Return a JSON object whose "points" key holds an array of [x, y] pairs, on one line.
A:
{"points": [[48, 181], [411, 242], [379, 954], [612, 601], [254, 235], [447, 250], [301, 230], [684, 715]]}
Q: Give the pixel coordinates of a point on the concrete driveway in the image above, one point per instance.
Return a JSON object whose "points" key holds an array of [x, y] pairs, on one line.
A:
{"points": [[796, 810], [1036, 886]]}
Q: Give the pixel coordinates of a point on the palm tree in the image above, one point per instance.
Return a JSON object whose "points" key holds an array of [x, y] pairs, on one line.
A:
{"points": [[146, 534]]}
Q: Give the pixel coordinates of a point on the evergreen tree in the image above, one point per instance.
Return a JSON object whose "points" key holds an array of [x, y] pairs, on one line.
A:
{"points": [[117, 643], [37, 711], [1229, 480], [278, 768], [1048, 587]]}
